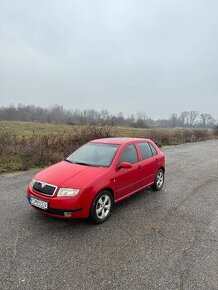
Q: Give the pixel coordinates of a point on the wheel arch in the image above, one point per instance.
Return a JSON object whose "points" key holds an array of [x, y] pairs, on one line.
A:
{"points": [[100, 190], [107, 189], [163, 168]]}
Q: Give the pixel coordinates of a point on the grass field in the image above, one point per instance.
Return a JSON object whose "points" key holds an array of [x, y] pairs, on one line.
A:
{"points": [[25, 145], [29, 128]]}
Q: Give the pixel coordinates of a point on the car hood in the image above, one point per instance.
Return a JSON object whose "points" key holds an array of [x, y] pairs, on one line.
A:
{"points": [[65, 174]]}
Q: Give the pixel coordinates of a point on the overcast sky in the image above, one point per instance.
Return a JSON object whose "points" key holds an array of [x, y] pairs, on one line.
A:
{"points": [[155, 56]]}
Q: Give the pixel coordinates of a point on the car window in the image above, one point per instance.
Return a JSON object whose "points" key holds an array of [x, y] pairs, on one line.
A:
{"points": [[154, 151], [146, 150], [129, 154]]}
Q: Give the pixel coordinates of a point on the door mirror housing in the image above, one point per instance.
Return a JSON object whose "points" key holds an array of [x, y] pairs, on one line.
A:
{"points": [[126, 165]]}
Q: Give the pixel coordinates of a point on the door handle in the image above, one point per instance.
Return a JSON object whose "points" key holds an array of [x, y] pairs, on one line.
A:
{"points": [[139, 167]]}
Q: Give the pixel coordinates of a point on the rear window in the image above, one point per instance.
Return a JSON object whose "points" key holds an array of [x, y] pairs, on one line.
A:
{"points": [[154, 151]]}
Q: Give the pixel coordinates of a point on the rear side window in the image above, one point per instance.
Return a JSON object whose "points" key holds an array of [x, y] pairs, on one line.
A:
{"points": [[129, 154], [146, 150], [154, 151]]}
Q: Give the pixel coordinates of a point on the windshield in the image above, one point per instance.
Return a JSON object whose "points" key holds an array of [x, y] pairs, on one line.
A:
{"points": [[94, 154]]}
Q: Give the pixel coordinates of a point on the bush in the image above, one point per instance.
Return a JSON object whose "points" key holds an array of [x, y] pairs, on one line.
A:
{"points": [[177, 136], [216, 130], [37, 151], [22, 153]]}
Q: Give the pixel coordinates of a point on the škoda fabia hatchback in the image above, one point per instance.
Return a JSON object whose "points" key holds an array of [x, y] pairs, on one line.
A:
{"points": [[96, 176]]}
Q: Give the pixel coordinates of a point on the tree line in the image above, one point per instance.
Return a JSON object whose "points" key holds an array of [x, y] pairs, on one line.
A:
{"points": [[58, 114]]}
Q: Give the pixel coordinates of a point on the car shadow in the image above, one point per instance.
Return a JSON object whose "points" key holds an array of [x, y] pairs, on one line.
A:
{"points": [[128, 205]]}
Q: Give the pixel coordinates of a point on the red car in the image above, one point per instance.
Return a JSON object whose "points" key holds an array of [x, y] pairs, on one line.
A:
{"points": [[97, 175]]}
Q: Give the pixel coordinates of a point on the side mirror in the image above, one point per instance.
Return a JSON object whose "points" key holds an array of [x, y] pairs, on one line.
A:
{"points": [[125, 165]]}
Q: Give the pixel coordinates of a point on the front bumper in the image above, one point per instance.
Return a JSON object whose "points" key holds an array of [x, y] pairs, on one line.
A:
{"points": [[61, 207]]}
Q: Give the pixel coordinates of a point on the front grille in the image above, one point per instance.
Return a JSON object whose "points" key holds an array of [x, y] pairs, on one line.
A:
{"points": [[44, 188]]}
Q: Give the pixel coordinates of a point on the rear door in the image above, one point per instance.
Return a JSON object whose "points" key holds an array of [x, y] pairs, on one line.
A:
{"points": [[149, 162]]}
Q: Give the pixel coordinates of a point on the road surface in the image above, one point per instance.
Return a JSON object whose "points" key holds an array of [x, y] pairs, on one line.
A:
{"points": [[154, 240]]}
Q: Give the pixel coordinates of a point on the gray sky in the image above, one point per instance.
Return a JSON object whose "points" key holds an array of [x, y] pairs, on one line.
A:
{"points": [[156, 56]]}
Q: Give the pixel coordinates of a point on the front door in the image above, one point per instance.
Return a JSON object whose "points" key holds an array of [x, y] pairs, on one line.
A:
{"points": [[127, 180]]}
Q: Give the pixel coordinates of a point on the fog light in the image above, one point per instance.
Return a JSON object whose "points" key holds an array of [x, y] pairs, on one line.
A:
{"points": [[67, 213]]}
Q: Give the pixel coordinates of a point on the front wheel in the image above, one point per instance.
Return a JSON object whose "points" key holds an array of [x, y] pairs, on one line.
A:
{"points": [[159, 180], [101, 207]]}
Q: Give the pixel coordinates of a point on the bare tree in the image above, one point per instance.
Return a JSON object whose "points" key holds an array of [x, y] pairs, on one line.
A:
{"points": [[206, 119], [173, 120], [58, 114], [183, 118], [192, 117], [141, 120]]}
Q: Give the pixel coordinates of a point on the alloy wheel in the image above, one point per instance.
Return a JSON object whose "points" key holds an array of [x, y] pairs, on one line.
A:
{"points": [[103, 206], [160, 179]]}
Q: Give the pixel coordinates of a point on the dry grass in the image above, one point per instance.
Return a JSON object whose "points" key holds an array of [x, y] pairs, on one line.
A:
{"points": [[24, 152], [25, 145]]}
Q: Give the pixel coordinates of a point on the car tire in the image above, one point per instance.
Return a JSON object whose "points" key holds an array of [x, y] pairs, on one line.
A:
{"points": [[101, 207], [159, 180]]}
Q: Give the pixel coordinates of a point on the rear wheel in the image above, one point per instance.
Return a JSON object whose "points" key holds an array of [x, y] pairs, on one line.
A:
{"points": [[101, 207], [159, 180]]}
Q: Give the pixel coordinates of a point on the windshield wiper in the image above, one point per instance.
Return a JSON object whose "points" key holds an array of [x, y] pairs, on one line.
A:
{"points": [[82, 163], [67, 160]]}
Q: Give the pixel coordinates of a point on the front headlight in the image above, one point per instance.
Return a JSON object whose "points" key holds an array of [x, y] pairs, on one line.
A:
{"points": [[68, 192], [32, 182]]}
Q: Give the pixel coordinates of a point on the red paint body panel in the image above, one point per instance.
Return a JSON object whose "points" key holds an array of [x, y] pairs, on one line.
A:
{"points": [[91, 180], [64, 174]]}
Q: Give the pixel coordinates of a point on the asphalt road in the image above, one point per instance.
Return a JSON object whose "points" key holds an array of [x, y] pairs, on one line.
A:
{"points": [[164, 240]]}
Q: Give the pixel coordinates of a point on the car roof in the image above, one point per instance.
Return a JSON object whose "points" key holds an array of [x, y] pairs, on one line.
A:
{"points": [[119, 140]]}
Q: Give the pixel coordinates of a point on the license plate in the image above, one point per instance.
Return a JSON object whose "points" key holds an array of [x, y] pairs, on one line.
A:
{"points": [[38, 203]]}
